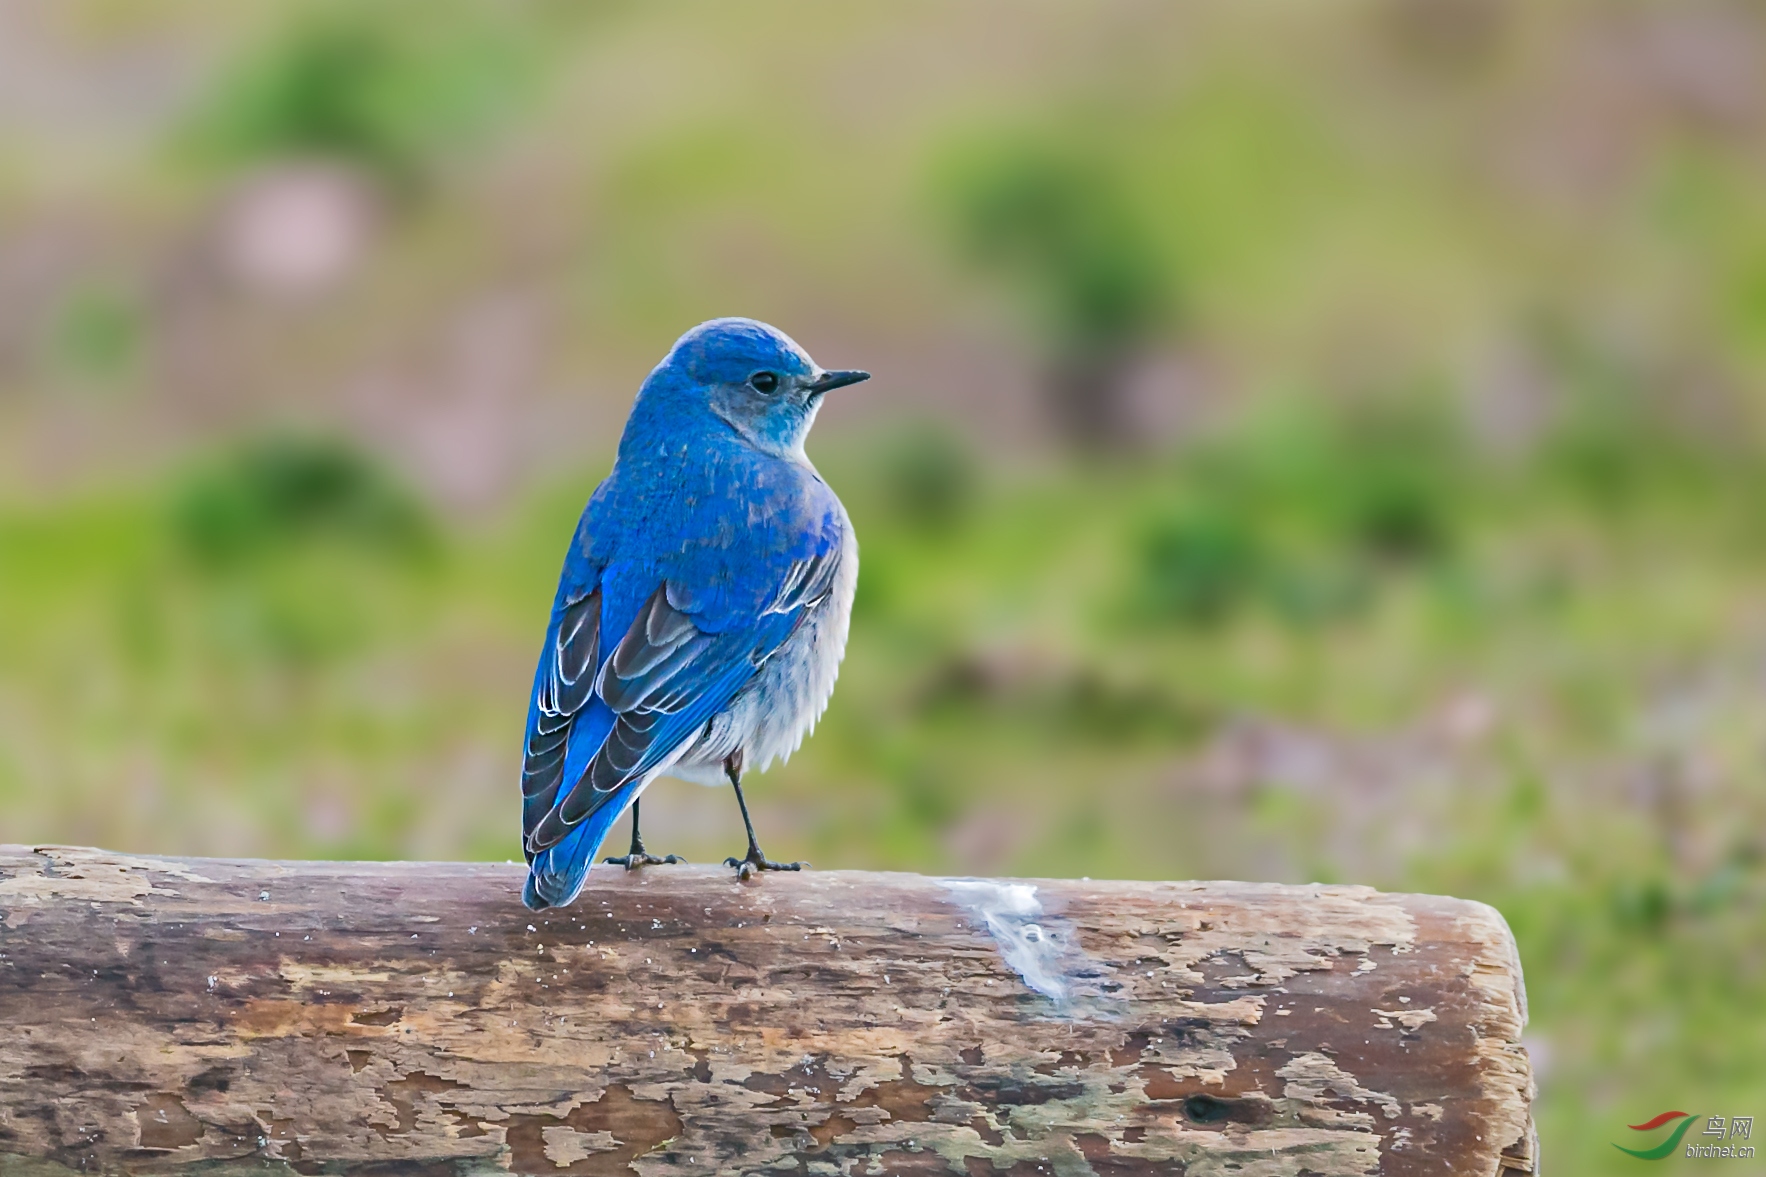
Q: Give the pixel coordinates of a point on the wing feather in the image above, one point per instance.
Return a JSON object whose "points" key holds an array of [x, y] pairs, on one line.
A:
{"points": [[564, 687], [663, 682], [806, 582]]}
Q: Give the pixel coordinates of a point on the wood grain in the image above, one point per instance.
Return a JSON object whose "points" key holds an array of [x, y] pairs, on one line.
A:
{"points": [[163, 1015]]}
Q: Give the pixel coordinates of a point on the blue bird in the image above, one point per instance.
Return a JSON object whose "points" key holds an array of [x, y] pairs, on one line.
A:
{"points": [[702, 612]]}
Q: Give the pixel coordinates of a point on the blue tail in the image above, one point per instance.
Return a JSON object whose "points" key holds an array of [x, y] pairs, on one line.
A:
{"points": [[557, 873]]}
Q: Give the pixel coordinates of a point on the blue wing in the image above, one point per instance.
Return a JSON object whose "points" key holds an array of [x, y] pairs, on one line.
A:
{"points": [[603, 719], [563, 685]]}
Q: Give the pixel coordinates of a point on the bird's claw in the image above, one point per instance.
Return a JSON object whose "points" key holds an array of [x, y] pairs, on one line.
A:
{"points": [[634, 861], [756, 861]]}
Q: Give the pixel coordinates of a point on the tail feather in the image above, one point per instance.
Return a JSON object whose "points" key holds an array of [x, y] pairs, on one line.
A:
{"points": [[557, 873]]}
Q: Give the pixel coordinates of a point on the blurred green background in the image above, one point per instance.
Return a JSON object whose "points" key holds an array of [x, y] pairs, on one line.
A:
{"points": [[1308, 442]]}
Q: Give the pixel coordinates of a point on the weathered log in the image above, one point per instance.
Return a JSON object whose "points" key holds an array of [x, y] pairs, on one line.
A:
{"points": [[164, 1015]]}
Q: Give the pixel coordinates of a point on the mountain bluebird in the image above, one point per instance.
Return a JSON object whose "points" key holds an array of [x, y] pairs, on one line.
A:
{"points": [[702, 613]]}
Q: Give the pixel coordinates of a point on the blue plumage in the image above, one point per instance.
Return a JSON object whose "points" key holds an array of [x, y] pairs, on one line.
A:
{"points": [[702, 611]]}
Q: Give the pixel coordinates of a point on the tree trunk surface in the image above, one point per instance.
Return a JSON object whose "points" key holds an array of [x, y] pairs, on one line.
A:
{"points": [[163, 1015]]}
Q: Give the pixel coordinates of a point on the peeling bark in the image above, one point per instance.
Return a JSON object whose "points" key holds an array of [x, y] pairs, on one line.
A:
{"points": [[164, 1015]]}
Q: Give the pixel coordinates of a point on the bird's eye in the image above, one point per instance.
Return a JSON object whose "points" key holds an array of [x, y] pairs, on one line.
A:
{"points": [[764, 381]]}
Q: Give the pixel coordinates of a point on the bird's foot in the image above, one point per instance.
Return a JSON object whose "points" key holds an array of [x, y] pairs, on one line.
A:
{"points": [[640, 858], [756, 861]]}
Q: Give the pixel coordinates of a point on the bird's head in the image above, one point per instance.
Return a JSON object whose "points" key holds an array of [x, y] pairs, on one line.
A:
{"points": [[753, 377]]}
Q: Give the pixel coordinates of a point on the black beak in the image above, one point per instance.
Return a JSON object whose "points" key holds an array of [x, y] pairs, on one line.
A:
{"points": [[828, 381]]}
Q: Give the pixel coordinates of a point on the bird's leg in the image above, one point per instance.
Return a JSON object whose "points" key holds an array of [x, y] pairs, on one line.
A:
{"points": [[639, 856], [755, 860]]}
